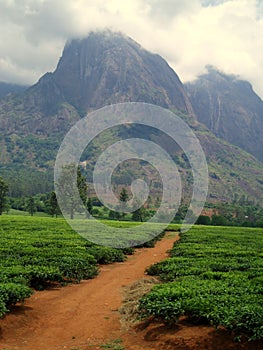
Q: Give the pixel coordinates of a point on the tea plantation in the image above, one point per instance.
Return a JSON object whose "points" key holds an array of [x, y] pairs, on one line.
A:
{"points": [[214, 276], [37, 251]]}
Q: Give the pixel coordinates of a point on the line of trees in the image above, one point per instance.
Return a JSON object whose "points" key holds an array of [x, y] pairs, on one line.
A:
{"points": [[226, 214]]}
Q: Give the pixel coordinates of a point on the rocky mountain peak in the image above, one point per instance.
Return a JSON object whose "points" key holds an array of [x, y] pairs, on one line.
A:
{"points": [[230, 108], [108, 67]]}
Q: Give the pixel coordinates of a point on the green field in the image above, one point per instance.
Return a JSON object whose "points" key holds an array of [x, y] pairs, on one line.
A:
{"points": [[38, 251], [214, 276]]}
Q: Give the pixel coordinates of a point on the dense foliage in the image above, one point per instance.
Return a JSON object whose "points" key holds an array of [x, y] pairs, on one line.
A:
{"points": [[3, 194], [214, 275]]}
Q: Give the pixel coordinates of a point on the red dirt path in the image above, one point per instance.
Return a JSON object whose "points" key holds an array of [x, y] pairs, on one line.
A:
{"points": [[85, 316]]}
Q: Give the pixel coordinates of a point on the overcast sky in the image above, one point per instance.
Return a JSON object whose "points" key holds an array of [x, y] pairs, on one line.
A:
{"points": [[189, 34]]}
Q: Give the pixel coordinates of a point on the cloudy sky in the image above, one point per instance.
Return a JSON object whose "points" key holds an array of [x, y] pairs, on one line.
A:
{"points": [[189, 34]]}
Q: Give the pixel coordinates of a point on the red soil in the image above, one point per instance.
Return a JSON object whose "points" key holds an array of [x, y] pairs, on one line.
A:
{"points": [[85, 316]]}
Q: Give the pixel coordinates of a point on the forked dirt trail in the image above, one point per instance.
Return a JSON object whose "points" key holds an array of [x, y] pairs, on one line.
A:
{"points": [[82, 316]]}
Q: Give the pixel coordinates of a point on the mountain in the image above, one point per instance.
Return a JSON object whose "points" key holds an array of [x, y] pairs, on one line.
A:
{"points": [[107, 68], [104, 68], [229, 108], [7, 88], [101, 69]]}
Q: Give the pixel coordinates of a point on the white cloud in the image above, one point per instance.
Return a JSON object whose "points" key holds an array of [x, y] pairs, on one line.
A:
{"points": [[188, 33]]}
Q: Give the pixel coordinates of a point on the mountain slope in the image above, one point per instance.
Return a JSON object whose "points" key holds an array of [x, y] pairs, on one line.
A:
{"points": [[7, 88], [230, 109], [233, 173], [101, 69]]}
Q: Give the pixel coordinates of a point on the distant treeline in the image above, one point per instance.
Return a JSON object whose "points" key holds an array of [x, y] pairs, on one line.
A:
{"points": [[222, 214], [24, 182]]}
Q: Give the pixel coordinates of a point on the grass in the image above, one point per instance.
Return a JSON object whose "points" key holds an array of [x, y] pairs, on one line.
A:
{"points": [[114, 345], [14, 212], [129, 311]]}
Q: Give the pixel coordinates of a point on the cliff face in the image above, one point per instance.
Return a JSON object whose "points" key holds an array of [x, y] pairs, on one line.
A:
{"points": [[104, 68], [109, 68], [230, 109]]}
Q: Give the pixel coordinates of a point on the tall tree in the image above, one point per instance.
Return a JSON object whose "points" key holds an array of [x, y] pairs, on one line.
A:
{"points": [[123, 196], [139, 214], [31, 206], [82, 186], [123, 199], [53, 207], [3, 194], [69, 192], [89, 207]]}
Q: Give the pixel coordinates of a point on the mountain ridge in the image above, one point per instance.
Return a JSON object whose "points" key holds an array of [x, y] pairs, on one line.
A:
{"points": [[10, 88], [229, 108], [101, 69]]}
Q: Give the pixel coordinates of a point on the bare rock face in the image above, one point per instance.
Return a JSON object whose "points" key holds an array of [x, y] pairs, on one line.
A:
{"points": [[109, 68], [230, 109], [102, 69]]}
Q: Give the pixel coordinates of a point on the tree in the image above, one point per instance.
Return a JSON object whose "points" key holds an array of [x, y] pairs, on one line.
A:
{"points": [[123, 199], [123, 196], [70, 193], [114, 215], [140, 214], [259, 223], [203, 220], [3, 195], [149, 202], [181, 213], [53, 207], [82, 186], [89, 206], [31, 206], [218, 220]]}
